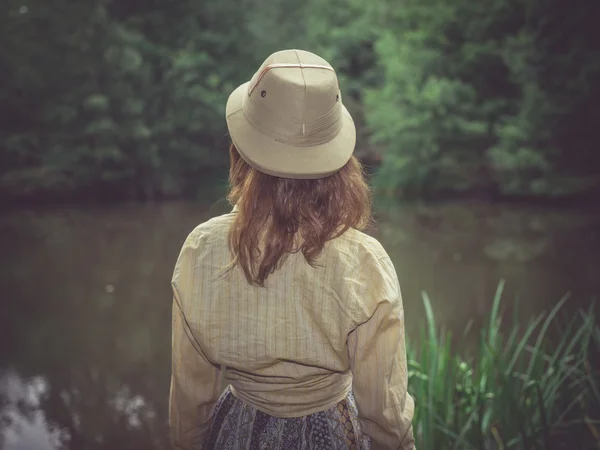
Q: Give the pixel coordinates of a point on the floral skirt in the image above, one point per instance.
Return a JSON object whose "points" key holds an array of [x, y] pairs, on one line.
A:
{"points": [[238, 426]]}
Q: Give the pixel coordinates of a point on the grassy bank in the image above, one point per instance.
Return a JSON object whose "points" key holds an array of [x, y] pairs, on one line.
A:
{"points": [[535, 387]]}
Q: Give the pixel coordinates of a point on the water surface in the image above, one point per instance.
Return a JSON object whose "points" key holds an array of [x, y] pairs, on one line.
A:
{"points": [[85, 301]]}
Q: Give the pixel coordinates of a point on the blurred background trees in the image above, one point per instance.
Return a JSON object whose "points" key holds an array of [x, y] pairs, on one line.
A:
{"points": [[126, 99]]}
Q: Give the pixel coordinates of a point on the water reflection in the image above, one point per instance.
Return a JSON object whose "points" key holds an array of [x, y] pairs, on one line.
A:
{"points": [[85, 307], [39, 415], [22, 421], [459, 252]]}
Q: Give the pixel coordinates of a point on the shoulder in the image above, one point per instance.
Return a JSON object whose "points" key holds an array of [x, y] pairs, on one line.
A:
{"points": [[214, 229], [204, 240], [368, 277], [360, 246], [363, 259]]}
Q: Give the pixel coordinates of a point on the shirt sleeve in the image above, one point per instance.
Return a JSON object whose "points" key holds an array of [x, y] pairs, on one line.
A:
{"points": [[378, 361], [195, 381]]}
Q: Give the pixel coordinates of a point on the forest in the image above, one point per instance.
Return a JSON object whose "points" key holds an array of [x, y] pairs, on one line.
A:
{"points": [[125, 100]]}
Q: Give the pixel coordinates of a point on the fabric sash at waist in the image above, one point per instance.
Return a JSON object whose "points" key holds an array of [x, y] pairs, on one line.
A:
{"points": [[287, 399]]}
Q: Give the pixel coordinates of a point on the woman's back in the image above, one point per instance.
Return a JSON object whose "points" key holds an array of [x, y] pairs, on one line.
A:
{"points": [[299, 310], [284, 345]]}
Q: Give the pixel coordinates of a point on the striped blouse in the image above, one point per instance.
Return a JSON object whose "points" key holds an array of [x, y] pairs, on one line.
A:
{"points": [[296, 346]]}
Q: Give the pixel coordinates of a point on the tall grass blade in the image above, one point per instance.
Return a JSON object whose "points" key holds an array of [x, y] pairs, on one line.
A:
{"points": [[543, 415], [494, 323], [542, 333], [518, 351]]}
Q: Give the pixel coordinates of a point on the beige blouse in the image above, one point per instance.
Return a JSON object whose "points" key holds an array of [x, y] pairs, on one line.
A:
{"points": [[296, 346]]}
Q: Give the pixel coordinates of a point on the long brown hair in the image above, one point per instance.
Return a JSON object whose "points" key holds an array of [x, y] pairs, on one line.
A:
{"points": [[284, 215]]}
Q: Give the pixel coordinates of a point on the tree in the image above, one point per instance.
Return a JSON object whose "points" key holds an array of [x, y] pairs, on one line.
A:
{"points": [[470, 99]]}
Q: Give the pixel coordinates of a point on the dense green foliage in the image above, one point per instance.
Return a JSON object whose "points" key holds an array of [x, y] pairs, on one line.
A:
{"points": [[127, 98], [521, 391], [495, 94], [125, 95]]}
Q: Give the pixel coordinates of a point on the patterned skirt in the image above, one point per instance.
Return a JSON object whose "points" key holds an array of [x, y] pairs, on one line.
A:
{"points": [[238, 426]]}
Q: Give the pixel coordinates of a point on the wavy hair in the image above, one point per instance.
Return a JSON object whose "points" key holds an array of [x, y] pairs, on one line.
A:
{"points": [[278, 216]]}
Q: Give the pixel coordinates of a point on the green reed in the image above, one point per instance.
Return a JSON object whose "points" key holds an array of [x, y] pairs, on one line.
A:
{"points": [[534, 388]]}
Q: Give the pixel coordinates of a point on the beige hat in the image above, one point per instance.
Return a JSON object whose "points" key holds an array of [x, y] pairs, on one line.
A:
{"points": [[289, 120]]}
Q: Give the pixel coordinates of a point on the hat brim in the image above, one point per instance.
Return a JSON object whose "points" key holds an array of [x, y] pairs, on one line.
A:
{"points": [[276, 158]]}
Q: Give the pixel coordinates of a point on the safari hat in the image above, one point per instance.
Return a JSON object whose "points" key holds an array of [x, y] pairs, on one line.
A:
{"points": [[289, 120]]}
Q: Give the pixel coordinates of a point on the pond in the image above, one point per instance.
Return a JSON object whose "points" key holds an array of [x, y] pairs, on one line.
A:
{"points": [[86, 301]]}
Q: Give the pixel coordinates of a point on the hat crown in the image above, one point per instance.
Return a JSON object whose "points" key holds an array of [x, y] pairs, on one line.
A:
{"points": [[294, 97]]}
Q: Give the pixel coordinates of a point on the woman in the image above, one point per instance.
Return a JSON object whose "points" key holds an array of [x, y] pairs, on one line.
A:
{"points": [[283, 299]]}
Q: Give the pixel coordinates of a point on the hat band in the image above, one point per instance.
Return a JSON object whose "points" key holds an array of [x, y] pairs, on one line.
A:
{"points": [[317, 132]]}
